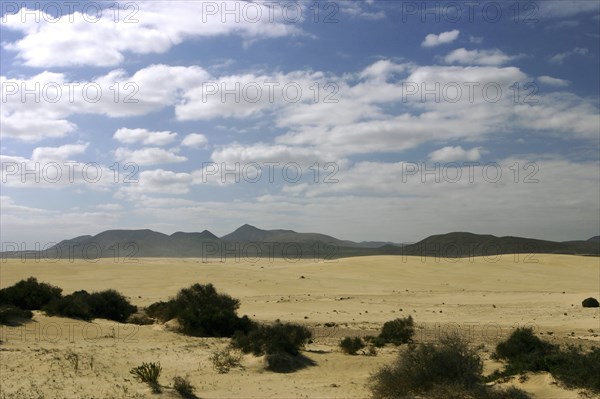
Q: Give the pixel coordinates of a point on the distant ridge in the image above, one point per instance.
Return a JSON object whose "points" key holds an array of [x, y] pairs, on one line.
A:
{"points": [[250, 242]]}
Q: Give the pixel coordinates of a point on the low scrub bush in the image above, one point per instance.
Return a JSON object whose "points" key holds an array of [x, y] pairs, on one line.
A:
{"points": [[148, 373], [398, 331], [107, 304], [29, 294], [351, 345], [224, 360], [445, 371], [270, 339], [10, 315], [184, 387], [573, 366], [202, 312]]}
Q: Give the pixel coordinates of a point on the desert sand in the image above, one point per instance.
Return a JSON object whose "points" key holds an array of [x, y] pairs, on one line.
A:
{"points": [[483, 299]]}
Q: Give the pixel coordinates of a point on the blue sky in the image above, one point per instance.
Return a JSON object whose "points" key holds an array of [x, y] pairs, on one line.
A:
{"points": [[419, 119]]}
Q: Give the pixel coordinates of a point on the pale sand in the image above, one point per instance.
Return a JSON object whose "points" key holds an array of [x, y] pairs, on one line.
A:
{"points": [[358, 294]]}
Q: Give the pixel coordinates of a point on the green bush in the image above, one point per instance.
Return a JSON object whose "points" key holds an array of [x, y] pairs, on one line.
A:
{"points": [[29, 294], [377, 342], [148, 373], [76, 305], [574, 367], [422, 367], [398, 331], [524, 351], [271, 339], [184, 387], [107, 304], [351, 345], [224, 360], [162, 311], [202, 312], [450, 370], [111, 305], [10, 315]]}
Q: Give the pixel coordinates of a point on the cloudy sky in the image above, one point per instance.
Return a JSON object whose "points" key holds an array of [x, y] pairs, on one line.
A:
{"points": [[366, 120]]}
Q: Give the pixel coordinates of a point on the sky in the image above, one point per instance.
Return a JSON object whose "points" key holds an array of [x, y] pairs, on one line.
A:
{"points": [[365, 120]]}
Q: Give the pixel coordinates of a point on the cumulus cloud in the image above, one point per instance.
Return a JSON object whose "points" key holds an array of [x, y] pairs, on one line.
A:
{"points": [[61, 153], [433, 40], [194, 140], [478, 57], [155, 28], [143, 136], [560, 58], [550, 81], [148, 156], [116, 94], [450, 154]]}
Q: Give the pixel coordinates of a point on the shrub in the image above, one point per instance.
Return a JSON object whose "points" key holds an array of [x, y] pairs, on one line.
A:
{"points": [[201, 311], [29, 294], [148, 373], [423, 367], [524, 352], [398, 331], [377, 342], [455, 391], [351, 345], [590, 303], [271, 339], [225, 359], [162, 311], [110, 304], [140, 320], [107, 304], [75, 305], [11, 315], [184, 387]]}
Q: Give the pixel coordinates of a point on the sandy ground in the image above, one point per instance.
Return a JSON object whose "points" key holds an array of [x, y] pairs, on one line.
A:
{"points": [[483, 299]]}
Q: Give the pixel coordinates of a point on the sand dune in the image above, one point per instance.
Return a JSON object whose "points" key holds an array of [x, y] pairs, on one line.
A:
{"points": [[484, 299]]}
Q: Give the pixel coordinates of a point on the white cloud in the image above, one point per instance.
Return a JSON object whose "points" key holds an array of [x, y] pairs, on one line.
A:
{"points": [[561, 57], [33, 119], [463, 56], [110, 207], [550, 81], [450, 154], [566, 8], [157, 181], [160, 26], [148, 156], [143, 136], [354, 9], [62, 153], [432, 40], [194, 140]]}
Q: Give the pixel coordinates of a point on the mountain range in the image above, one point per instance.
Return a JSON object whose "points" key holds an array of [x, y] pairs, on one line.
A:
{"points": [[254, 244]]}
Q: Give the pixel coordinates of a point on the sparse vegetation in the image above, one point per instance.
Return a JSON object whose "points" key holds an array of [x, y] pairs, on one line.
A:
{"points": [[184, 387], [351, 345], [10, 315], [398, 331], [148, 373], [29, 294], [270, 339], [107, 304], [202, 312], [445, 371], [574, 367], [225, 359]]}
